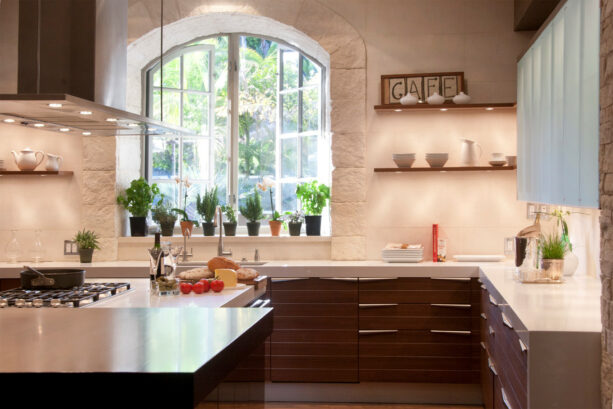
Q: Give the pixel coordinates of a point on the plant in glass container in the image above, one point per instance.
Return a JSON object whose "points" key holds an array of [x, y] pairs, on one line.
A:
{"points": [[206, 207], [138, 200], [553, 248], [294, 221], [252, 211], [313, 197], [187, 225], [229, 227], [87, 241], [276, 221], [162, 213]]}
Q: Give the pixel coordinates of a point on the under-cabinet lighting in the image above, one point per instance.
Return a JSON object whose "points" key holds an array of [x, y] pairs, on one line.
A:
{"points": [[87, 133], [489, 109], [85, 112], [111, 119], [132, 124], [444, 109], [397, 110], [9, 121], [39, 125], [64, 129], [55, 105]]}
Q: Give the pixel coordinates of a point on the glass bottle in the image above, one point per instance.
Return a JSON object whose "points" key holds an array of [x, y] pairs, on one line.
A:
{"points": [[13, 249], [38, 250]]}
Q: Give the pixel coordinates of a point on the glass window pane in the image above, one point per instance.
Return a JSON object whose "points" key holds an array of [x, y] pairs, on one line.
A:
{"points": [[164, 157], [290, 69], [290, 112], [192, 193], [309, 156], [171, 107], [289, 158], [170, 190], [196, 70], [196, 113], [288, 197], [310, 110], [310, 72], [172, 74], [196, 158]]}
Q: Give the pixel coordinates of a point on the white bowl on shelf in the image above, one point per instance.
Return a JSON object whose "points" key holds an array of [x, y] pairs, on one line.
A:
{"points": [[437, 160], [404, 162]]}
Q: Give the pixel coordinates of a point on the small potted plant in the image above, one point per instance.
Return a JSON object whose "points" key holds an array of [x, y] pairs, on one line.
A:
{"points": [[206, 206], [162, 213], [276, 221], [138, 200], [87, 242], [553, 248], [313, 197], [294, 221], [252, 211], [229, 227], [187, 225]]}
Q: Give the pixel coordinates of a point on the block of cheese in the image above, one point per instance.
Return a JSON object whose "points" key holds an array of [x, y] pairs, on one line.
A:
{"points": [[228, 276]]}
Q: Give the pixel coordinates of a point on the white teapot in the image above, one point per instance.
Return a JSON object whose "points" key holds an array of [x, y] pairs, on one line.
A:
{"points": [[53, 162], [27, 159]]}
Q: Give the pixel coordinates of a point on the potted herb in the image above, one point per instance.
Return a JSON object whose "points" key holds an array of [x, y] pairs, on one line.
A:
{"points": [[87, 242], [137, 200], [553, 248], [206, 206], [187, 225], [313, 197], [294, 221], [162, 213], [252, 211], [276, 221], [229, 227]]}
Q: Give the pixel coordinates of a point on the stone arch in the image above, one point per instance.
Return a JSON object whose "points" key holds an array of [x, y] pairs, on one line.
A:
{"points": [[319, 32]]}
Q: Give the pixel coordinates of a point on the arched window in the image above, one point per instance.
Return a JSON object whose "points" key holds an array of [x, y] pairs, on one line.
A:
{"points": [[278, 131]]}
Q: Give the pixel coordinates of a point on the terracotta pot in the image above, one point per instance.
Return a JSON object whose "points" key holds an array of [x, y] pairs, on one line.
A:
{"points": [[275, 227], [186, 228]]}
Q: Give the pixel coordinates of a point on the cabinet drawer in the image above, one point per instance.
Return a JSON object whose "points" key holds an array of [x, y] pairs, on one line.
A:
{"points": [[313, 284], [420, 376], [415, 297], [424, 337], [308, 323], [414, 284], [313, 362], [487, 381], [315, 310], [315, 297], [294, 335], [314, 375], [420, 323], [315, 348], [433, 350], [423, 363], [417, 310]]}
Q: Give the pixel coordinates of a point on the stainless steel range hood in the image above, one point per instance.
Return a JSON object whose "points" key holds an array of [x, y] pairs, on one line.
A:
{"points": [[72, 70]]}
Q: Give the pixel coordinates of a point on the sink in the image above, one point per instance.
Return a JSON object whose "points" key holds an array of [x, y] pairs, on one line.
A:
{"points": [[192, 263]]}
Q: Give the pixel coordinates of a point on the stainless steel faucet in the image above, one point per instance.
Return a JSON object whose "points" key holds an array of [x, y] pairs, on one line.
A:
{"points": [[220, 250]]}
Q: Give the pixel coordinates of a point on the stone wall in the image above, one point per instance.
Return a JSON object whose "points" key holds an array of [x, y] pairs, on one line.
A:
{"points": [[606, 196]]}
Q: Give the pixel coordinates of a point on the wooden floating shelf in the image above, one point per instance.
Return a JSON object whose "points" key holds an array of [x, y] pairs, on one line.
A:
{"points": [[446, 169], [447, 106], [36, 173]]}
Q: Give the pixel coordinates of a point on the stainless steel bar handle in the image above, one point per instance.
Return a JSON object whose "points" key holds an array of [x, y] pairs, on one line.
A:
{"points": [[523, 346], [491, 330], [256, 303], [493, 301], [483, 346], [505, 400], [483, 316], [282, 280], [451, 305], [377, 331], [483, 287], [506, 321], [452, 332], [378, 278], [264, 304], [340, 279], [491, 366], [377, 305], [451, 278]]}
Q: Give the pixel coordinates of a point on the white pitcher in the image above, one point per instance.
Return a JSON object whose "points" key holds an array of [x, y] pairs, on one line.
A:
{"points": [[468, 153], [53, 162], [27, 159]]}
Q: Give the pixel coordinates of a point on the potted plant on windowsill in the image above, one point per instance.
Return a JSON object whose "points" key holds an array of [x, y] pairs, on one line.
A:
{"points": [[206, 206], [276, 221], [313, 197], [87, 242], [229, 227], [137, 200], [162, 213], [252, 211], [187, 225], [294, 221], [553, 248]]}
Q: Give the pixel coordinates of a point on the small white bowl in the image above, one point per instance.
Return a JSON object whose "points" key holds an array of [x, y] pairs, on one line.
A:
{"points": [[404, 163]]}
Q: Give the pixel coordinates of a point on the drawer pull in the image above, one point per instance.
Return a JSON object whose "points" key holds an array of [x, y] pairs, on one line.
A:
{"points": [[377, 331], [441, 331], [506, 321], [377, 305], [483, 346], [479, 280], [340, 279], [378, 278], [493, 301], [483, 316], [491, 330], [451, 278], [264, 304], [505, 400], [523, 346], [451, 305], [283, 280], [491, 366], [483, 287]]}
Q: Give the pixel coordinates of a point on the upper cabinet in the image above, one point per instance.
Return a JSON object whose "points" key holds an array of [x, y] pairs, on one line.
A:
{"points": [[557, 110]]}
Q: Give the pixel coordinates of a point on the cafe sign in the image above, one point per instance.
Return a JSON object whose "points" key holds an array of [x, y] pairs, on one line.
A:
{"points": [[394, 87]]}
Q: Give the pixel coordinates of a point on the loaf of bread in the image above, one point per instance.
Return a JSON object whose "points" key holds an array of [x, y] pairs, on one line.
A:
{"points": [[246, 273], [222, 262], [196, 274]]}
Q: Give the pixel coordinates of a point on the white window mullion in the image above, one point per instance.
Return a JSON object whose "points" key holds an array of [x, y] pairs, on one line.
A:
{"points": [[233, 93]]}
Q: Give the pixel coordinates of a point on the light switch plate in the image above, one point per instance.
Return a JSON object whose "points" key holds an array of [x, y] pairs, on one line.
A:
{"points": [[531, 210], [70, 248]]}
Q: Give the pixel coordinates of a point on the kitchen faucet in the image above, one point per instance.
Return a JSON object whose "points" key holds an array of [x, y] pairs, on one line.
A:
{"points": [[220, 250]]}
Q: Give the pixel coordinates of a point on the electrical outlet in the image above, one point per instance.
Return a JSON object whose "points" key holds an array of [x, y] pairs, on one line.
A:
{"points": [[531, 209], [70, 248]]}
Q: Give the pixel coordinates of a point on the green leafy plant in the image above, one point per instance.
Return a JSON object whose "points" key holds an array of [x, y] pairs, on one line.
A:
{"points": [[313, 197], [553, 247], [252, 210], [162, 213], [229, 212], [207, 204], [296, 217], [87, 239], [139, 197], [561, 222]]}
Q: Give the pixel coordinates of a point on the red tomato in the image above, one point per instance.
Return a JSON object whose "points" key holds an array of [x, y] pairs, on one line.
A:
{"points": [[217, 285], [198, 288], [205, 283], [186, 288]]}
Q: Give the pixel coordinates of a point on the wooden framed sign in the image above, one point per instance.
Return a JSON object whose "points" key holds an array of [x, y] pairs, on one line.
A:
{"points": [[394, 87]]}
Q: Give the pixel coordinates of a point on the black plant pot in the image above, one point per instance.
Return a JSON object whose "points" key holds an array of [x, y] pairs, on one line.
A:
{"points": [[229, 229], [294, 228], [138, 226], [253, 228], [85, 255], [208, 228], [167, 229], [313, 225]]}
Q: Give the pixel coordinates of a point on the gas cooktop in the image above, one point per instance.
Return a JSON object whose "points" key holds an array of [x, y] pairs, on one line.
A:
{"points": [[76, 297]]}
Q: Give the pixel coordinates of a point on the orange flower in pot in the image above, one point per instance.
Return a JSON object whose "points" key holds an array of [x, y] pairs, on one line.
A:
{"points": [[187, 225]]}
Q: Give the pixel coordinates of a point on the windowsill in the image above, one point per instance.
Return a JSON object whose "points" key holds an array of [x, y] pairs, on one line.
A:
{"points": [[228, 239]]}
